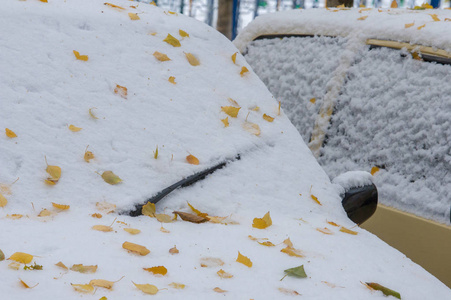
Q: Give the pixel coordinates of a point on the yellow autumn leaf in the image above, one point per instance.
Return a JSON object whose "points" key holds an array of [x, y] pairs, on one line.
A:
{"points": [[176, 285], [160, 270], [192, 59], [434, 17], [121, 91], [333, 223], [45, 213], [111, 178], [292, 251], [266, 243], [10, 133], [135, 248], [409, 25], [164, 230], [20, 257], [155, 153], [223, 274], [132, 230], [268, 118], [231, 110], [26, 285], [44, 1], [262, 223], [174, 250], [288, 242], [183, 33], [191, 159], [14, 265], [314, 198], [348, 231], [88, 155], [172, 41], [278, 110], [421, 27], [3, 201], [84, 288], [324, 230], [234, 57], [133, 16], [54, 172], [113, 6], [225, 122], [147, 288], [60, 206], [171, 79], [149, 209], [244, 260], [196, 211], [97, 215], [14, 216], [91, 113], [102, 283], [219, 290], [244, 70], [161, 56], [164, 218], [394, 4], [313, 100], [252, 128], [74, 128], [374, 170], [362, 18], [84, 269], [102, 228], [61, 265], [211, 262], [80, 57]]}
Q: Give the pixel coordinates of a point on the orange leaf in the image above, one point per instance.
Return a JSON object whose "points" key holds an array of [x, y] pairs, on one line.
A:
{"points": [[394, 4], [244, 70], [333, 223], [191, 159], [160, 270], [80, 57], [374, 170], [10, 133]]}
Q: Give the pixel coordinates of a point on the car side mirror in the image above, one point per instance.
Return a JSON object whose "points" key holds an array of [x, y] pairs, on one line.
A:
{"points": [[359, 198]]}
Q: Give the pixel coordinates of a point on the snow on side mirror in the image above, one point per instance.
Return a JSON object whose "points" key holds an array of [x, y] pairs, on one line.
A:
{"points": [[359, 195]]}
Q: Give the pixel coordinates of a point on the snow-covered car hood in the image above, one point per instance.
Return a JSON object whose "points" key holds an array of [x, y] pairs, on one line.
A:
{"points": [[94, 66]]}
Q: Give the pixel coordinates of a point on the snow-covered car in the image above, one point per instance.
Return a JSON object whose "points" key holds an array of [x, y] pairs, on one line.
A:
{"points": [[369, 89], [105, 105]]}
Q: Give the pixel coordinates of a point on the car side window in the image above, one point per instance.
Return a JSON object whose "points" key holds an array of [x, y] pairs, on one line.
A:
{"points": [[295, 72]]}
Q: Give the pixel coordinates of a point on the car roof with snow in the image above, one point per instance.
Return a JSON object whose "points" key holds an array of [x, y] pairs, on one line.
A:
{"points": [[106, 104]]}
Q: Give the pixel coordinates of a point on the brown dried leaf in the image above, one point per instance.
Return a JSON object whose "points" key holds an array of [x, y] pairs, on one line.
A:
{"points": [[190, 217], [174, 250]]}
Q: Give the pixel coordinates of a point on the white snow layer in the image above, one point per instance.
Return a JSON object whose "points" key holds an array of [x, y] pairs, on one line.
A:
{"points": [[391, 112], [45, 89]]}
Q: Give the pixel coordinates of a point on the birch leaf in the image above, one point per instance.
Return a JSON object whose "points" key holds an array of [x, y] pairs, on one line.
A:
{"points": [[292, 252], [106, 207], [111, 178], [348, 231], [288, 292], [102, 283], [102, 228], [171, 79], [219, 290], [234, 57], [60, 206], [54, 172], [252, 128], [190, 217], [160, 270], [421, 27], [161, 56], [314, 198], [133, 16], [231, 110], [244, 260], [3, 201], [45, 213], [83, 288], [26, 285], [386, 291], [20, 257], [374, 170], [333, 223], [223, 274], [172, 41], [298, 272], [74, 128], [266, 243], [174, 250], [196, 211], [113, 6], [14, 265], [434, 17], [80, 57], [176, 285], [14, 216], [91, 113], [88, 155], [10, 133], [225, 122], [147, 288], [243, 72], [268, 118], [132, 230], [149, 209], [288, 243], [262, 223], [121, 91], [183, 33], [191, 159], [141, 250], [84, 269], [409, 25], [61, 265], [164, 218], [192, 59]]}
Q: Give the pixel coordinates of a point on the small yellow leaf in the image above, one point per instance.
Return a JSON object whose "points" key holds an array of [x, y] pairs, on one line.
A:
{"points": [[155, 153], [121, 91], [191, 159], [91, 113], [362, 18], [244, 260], [83, 288], [394, 4], [333, 223], [84, 269], [324, 230], [160, 270], [234, 57], [315, 199], [172, 80], [45, 213], [348, 231], [10, 133], [133, 16], [225, 122], [61, 265], [141, 250], [14, 216], [164, 218], [231, 110], [21, 257], [164, 230], [102, 228], [113, 6], [192, 59], [219, 290], [60, 206], [252, 128], [3, 201], [288, 243], [421, 27], [374, 170], [74, 128], [434, 17], [44, 1], [268, 118], [278, 110], [409, 25], [292, 252], [183, 33], [244, 70], [147, 288], [26, 285], [96, 215], [102, 283], [55, 174], [132, 230], [211, 262], [161, 56], [196, 211], [262, 223], [313, 100], [88, 155], [174, 250], [80, 57], [223, 274], [149, 209], [267, 244], [172, 41], [176, 285], [111, 178]]}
